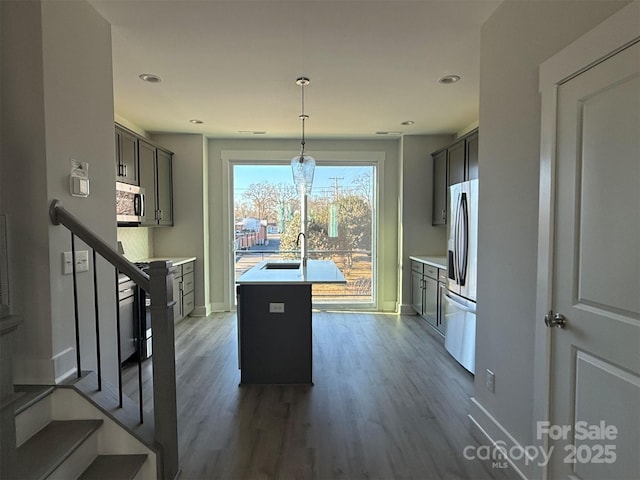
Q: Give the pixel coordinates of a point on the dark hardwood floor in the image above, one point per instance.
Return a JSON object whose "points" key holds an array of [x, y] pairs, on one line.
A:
{"points": [[388, 402]]}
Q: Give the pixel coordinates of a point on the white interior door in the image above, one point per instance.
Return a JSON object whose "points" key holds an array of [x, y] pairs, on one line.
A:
{"points": [[594, 415]]}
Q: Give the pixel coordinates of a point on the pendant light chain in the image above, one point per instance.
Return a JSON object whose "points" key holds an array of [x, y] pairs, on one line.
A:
{"points": [[303, 118], [302, 81]]}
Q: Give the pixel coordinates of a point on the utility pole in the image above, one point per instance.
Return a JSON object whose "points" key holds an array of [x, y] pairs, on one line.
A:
{"points": [[335, 187], [333, 210]]}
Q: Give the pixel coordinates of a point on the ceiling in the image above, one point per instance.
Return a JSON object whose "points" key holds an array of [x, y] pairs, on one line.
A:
{"points": [[233, 65]]}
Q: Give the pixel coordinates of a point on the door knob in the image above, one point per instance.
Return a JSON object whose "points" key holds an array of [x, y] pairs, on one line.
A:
{"points": [[557, 320]]}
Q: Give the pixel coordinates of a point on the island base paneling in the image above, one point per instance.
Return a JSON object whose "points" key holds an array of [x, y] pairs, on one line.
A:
{"points": [[274, 347]]}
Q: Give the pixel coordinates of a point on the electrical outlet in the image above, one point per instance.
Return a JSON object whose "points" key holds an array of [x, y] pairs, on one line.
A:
{"points": [[82, 262], [276, 308], [491, 381]]}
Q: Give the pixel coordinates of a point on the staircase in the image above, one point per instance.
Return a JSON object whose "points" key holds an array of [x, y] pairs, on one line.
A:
{"points": [[61, 432], [59, 435], [88, 429]]}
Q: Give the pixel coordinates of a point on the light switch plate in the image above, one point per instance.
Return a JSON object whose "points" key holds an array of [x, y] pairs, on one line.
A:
{"points": [[82, 262]]}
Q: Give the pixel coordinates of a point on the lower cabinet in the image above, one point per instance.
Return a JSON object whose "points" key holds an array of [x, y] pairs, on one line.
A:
{"points": [[126, 306], [183, 290], [427, 290]]}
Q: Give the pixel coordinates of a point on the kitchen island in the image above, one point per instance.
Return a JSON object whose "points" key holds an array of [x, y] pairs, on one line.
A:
{"points": [[275, 320]]}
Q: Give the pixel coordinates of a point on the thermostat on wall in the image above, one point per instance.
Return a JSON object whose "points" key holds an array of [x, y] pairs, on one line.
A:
{"points": [[79, 179]]}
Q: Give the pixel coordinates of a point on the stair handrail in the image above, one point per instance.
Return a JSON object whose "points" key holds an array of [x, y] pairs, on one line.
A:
{"points": [[159, 286], [60, 215]]}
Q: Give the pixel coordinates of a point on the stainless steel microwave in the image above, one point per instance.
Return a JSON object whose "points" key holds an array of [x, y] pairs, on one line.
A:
{"points": [[130, 204]]}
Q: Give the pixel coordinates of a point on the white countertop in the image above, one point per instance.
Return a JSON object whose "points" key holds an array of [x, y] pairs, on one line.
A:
{"points": [[439, 262], [317, 271], [175, 260]]}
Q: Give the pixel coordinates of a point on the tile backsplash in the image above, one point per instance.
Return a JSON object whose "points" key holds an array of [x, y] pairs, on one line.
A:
{"points": [[137, 242]]}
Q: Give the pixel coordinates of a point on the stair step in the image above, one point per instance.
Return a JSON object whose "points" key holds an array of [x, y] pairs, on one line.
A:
{"points": [[31, 394], [39, 456], [114, 467], [107, 401]]}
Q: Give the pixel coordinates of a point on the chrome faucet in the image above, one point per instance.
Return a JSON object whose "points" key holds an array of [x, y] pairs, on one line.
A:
{"points": [[303, 249]]}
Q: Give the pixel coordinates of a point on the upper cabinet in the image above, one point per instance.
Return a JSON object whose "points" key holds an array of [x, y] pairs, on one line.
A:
{"points": [[453, 164], [126, 157], [153, 172], [164, 190], [472, 156], [439, 188]]}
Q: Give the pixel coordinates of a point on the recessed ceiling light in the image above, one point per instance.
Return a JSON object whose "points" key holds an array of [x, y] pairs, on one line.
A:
{"points": [[149, 77], [449, 79], [408, 122], [195, 121]]}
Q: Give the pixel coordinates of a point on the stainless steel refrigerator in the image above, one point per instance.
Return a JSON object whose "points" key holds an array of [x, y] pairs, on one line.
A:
{"points": [[462, 249]]}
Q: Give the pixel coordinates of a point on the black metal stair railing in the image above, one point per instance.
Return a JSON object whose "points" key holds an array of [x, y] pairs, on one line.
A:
{"points": [[158, 285], [78, 346]]}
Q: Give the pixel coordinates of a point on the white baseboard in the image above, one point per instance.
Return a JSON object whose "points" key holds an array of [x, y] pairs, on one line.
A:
{"points": [[488, 426], [218, 307], [406, 309], [204, 310], [389, 306], [32, 371]]}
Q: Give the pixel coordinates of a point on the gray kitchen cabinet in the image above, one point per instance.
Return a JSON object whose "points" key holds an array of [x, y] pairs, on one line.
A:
{"points": [[424, 288], [440, 197], [430, 307], [456, 162], [126, 157], [183, 290], [156, 179], [428, 284], [164, 187], [453, 164], [442, 289], [417, 290], [126, 315], [472, 156]]}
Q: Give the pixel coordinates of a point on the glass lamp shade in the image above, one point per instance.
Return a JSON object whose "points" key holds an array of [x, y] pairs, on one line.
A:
{"points": [[303, 167]]}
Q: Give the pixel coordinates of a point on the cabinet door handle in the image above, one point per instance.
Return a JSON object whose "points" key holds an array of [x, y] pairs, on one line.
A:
{"points": [[125, 170], [159, 214], [119, 169], [444, 214]]}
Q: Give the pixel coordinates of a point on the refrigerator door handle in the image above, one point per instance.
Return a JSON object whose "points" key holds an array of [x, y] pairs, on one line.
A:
{"points": [[456, 241], [457, 304], [464, 247]]}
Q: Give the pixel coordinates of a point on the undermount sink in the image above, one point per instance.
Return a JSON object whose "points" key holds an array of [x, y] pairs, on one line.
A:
{"points": [[281, 266]]}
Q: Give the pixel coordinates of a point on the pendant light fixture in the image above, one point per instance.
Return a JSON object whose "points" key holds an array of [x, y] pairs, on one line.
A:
{"points": [[303, 166]]}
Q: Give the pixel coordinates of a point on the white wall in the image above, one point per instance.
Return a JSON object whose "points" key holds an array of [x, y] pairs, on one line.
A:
{"points": [[388, 226], [189, 235], [514, 41], [57, 90], [417, 235]]}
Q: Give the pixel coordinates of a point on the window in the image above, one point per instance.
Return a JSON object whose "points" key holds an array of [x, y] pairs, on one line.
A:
{"points": [[341, 227]]}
